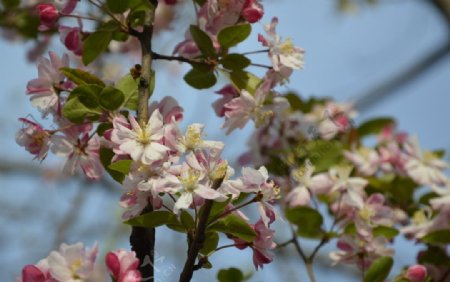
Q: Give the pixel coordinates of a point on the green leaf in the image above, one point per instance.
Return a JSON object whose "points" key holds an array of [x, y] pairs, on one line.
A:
{"points": [[425, 199], [122, 166], [295, 101], [217, 209], [245, 80], [211, 242], [379, 270], [434, 255], [200, 2], [102, 127], [441, 236], [130, 88], [385, 231], [88, 94], [106, 156], [232, 35], [111, 98], [200, 78], [95, 44], [153, 219], [186, 219], [235, 62], [203, 41], [77, 112], [8, 4], [117, 6], [81, 77], [236, 226], [323, 154], [374, 126], [308, 220], [230, 275]]}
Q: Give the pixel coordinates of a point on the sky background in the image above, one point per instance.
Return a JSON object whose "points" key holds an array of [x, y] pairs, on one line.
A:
{"points": [[347, 55]]}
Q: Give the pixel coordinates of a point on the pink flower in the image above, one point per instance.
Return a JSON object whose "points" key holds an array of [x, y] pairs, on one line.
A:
{"points": [[282, 53], [365, 160], [34, 138], [36, 273], [170, 110], [261, 245], [252, 11], [416, 273], [48, 16], [123, 266], [45, 89], [80, 151], [72, 37], [141, 143], [72, 261], [228, 93]]}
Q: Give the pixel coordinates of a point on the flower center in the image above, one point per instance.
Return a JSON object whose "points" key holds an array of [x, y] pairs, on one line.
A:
{"points": [[189, 179]]}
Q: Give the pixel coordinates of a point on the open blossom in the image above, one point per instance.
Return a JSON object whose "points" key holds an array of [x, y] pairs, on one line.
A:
{"points": [[34, 139], [351, 187], [193, 141], [80, 151], [361, 251], [423, 222], [72, 263], [192, 183], [123, 266], [228, 93], [424, 167], [365, 160], [282, 53], [250, 107], [261, 245], [45, 89], [141, 143], [300, 194]]}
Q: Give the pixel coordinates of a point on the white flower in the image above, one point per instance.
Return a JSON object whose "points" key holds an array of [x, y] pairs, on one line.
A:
{"points": [[142, 144], [282, 53], [72, 263]]}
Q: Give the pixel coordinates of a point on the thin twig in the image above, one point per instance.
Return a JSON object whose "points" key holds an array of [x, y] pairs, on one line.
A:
{"points": [[256, 52], [199, 237]]}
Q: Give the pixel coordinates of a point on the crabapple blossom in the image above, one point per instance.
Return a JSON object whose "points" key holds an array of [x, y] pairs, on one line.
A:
{"points": [[282, 53], [416, 273], [123, 265], [36, 273], [252, 11], [365, 160], [72, 263], [141, 142], [79, 150], [228, 93], [192, 183], [34, 139], [359, 250], [352, 187], [48, 16], [424, 167], [72, 37], [45, 89], [261, 245]]}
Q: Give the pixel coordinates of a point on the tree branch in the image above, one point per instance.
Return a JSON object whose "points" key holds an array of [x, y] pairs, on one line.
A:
{"points": [[142, 239], [199, 237]]}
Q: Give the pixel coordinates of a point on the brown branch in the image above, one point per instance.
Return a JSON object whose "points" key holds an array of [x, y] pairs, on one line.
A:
{"points": [[199, 237], [142, 239]]}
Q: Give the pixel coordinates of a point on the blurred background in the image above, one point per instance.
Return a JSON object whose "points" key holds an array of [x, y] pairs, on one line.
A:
{"points": [[389, 57]]}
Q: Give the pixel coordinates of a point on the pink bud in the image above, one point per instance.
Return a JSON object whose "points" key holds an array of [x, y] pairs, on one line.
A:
{"points": [[416, 273], [71, 37], [31, 273], [113, 264], [252, 11], [48, 15]]}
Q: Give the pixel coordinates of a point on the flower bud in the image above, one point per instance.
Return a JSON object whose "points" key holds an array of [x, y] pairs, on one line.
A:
{"points": [[48, 16], [252, 11], [416, 273]]}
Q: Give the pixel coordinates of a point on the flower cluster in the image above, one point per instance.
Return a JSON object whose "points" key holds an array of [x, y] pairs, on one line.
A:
{"points": [[72, 263]]}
